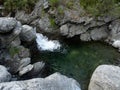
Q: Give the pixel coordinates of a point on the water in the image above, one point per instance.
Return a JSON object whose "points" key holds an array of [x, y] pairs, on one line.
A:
{"points": [[46, 45], [79, 60]]}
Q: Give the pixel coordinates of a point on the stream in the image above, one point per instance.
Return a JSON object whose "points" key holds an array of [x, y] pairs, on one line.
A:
{"points": [[78, 59]]}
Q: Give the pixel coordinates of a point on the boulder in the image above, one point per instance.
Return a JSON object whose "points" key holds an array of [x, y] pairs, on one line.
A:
{"points": [[13, 37], [5, 76], [24, 62], [53, 82], [27, 34], [105, 77], [99, 33], [70, 30], [25, 70], [37, 69], [7, 24]]}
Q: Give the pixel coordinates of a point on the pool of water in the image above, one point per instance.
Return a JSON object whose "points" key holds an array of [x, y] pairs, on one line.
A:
{"points": [[79, 60]]}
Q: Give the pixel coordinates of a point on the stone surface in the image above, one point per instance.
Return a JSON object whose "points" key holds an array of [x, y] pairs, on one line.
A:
{"points": [[27, 34], [116, 44], [7, 24], [37, 69], [105, 77], [99, 33], [85, 37], [53, 82], [24, 62], [25, 69], [5, 76]]}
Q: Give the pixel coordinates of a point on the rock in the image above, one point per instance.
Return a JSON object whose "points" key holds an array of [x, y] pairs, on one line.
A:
{"points": [[25, 70], [24, 62], [27, 34], [105, 77], [53, 82], [23, 52], [116, 44], [12, 37], [71, 30], [7, 24], [18, 55], [46, 4], [99, 33], [44, 24], [115, 30], [37, 69], [64, 30], [5, 76], [85, 37]]}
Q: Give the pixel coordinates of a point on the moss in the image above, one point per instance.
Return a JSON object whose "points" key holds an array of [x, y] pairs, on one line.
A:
{"points": [[54, 3], [52, 22], [13, 50], [70, 4], [60, 10]]}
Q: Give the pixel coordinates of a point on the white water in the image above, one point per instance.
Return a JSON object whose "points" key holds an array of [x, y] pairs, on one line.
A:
{"points": [[44, 44]]}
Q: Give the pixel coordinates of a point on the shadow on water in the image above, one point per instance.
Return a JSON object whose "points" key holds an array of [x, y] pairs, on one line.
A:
{"points": [[78, 60]]}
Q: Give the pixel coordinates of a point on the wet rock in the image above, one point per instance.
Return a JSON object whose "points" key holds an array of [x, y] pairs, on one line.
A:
{"points": [[53, 82], [7, 24], [37, 69], [27, 34], [5, 76], [105, 77], [25, 70]]}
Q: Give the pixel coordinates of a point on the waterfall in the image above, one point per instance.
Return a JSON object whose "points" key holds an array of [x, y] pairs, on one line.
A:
{"points": [[46, 45]]}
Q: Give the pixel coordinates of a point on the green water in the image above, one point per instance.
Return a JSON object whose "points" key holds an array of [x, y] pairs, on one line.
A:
{"points": [[80, 60]]}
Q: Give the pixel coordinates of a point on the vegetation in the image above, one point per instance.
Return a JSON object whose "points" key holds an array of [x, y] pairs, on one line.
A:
{"points": [[12, 5], [13, 50], [54, 3], [101, 7]]}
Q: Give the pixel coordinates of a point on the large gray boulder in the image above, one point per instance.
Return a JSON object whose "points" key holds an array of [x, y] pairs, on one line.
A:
{"points": [[28, 33], [7, 24], [105, 77], [5, 76], [52, 82]]}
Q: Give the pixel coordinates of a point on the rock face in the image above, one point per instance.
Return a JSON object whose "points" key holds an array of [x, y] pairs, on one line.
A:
{"points": [[105, 77], [7, 24], [52, 82], [5, 76], [27, 34]]}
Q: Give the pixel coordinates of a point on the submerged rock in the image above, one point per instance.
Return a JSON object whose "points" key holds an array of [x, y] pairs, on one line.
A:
{"points": [[105, 77], [5, 76], [53, 82]]}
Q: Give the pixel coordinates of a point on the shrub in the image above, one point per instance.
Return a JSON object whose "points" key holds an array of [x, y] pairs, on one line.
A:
{"points": [[100, 7], [27, 5]]}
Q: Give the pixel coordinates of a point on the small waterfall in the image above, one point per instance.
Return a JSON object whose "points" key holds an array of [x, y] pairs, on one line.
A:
{"points": [[46, 45]]}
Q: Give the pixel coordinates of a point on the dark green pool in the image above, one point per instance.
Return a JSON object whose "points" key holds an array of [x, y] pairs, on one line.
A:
{"points": [[79, 60]]}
